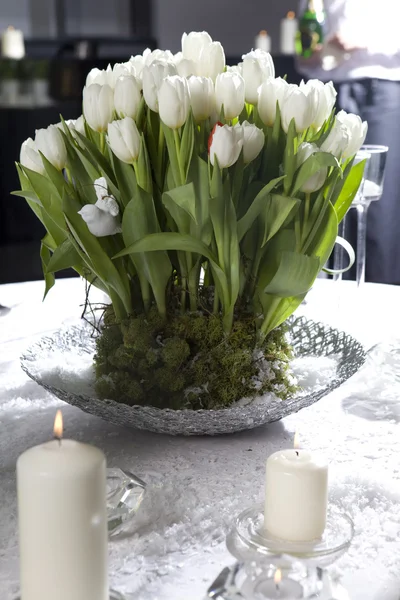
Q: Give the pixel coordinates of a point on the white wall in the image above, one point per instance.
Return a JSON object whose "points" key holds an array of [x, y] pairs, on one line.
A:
{"points": [[232, 22]]}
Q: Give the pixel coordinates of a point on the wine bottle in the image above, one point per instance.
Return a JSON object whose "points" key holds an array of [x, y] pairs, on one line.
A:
{"points": [[310, 33]]}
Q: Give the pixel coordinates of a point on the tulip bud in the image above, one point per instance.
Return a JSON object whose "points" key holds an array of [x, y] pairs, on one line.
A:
{"points": [[153, 76], [124, 139], [337, 140], [80, 125], [186, 67], [226, 145], [253, 141], [127, 97], [202, 97], [237, 69], [229, 93], [194, 43], [158, 55], [269, 93], [316, 181], [211, 61], [137, 64], [101, 77], [174, 101], [51, 144], [98, 106], [325, 99], [29, 157], [258, 66], [356, 129], [300, 106]]}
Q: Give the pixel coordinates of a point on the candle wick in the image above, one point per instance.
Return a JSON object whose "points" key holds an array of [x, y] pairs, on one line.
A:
{"points": [[278, 590], [56, 437], [297, 452]]}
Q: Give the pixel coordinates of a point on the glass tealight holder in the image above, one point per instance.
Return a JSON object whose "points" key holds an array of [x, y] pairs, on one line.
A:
{"points": [[125, 493]]}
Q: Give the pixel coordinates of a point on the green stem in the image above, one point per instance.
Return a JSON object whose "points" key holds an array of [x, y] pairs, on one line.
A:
{"points": [[306, 215], [183, 295], [267, 324], [102, 142], [178, 156], [160, 157], [216, 301], [194, 275], [118, 305]]}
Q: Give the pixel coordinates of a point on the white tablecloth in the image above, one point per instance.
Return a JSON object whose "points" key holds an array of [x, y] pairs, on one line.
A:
{"points": [[197, 485]]}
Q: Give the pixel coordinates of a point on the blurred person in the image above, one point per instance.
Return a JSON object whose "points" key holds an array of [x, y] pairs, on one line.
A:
{"points": [[361, 55]]}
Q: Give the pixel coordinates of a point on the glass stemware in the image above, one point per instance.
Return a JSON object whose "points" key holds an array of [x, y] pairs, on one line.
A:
{"points": [[370, 191]]}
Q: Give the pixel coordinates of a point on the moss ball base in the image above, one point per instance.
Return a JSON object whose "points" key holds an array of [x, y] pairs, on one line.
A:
{"points": [[188, 361]]}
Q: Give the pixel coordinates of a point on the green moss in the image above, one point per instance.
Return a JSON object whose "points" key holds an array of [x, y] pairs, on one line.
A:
{"points": [[186, 361]]}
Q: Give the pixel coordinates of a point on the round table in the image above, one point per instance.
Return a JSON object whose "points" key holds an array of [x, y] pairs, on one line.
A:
{"points": [[197, 485]]}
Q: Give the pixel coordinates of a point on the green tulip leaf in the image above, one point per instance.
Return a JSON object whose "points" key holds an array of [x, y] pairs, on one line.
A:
{"points": [[311, 166], [293, 276], [49, 278], [349, 189], [276, 213], [64, 256], [183, 198], [256, 208], [289, 157], [27, 195]]}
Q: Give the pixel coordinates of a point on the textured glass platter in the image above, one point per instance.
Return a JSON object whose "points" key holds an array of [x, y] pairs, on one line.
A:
{"points": [[56, 364]]}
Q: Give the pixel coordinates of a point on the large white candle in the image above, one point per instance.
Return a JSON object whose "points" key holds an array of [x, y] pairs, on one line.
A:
{"points": [[296, 495], [62, 522], [288, 33], [12, 43]]}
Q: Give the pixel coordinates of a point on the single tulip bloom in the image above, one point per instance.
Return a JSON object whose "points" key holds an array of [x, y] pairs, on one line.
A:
{"points": [[124, 139], [226, 145], [51, 144], [174, 101], [29, 157], [356, 129], [253, 141], [153, 76], [337, 141], [202, 97], [257, 67], [300, 106], [316, 181], [272, 91], [127, 97], [194, 43], [98, 106], [229, 93], [325, 99], [211, 61]]}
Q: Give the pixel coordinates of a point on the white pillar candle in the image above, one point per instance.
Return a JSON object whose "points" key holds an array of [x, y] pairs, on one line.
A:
{"points": [[12, 43], [62, 522], [296, 495], [288, 33], [263, 41]]}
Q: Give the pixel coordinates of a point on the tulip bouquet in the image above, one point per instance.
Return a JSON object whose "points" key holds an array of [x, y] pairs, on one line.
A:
{"points": [[204, 199]]}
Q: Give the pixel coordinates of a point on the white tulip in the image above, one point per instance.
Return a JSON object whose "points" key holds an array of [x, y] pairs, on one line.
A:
{"points": [[153, 76], [51, 144], [193, 44], [186, 67], [258, 66], [124, 139], [202, 97], [226, 145], [127, 96], [337, 140], [102, 218], [137, 64], [80, 125], [211, 61], [325, 99], [29, 157], [271, 92], [158, 55], [101, 77], [123, 70], [300, 106], [356, 129], [316, 181], [238, 69], [253, 141], [174, 101], [98, 106], [229, 93]]}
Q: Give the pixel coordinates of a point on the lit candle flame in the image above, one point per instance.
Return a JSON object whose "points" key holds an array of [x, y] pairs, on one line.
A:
{"points": [[263, 32], [58, 425], [296, 441], [277, 577], [291, 15]]}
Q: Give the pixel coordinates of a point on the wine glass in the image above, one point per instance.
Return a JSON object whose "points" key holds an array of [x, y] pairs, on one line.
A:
{"points": [[370, 191]]}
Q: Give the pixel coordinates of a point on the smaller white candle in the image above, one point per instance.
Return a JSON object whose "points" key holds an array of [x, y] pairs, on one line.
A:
{"points": [[12, 43], [288, 33], [296, 496], [278, 588], [263, 41]]}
